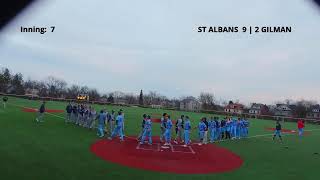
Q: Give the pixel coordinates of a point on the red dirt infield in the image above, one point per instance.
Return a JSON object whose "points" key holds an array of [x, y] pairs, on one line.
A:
{"points": [[47, 110], [287, 131], [177, 159]]}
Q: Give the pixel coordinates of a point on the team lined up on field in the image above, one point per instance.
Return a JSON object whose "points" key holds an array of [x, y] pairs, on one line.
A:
{"points": [[86, 116], [228, 128], [214, 128]]}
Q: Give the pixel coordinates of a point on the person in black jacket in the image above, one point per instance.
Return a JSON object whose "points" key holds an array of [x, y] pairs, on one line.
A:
{"points": [[41, 112]]}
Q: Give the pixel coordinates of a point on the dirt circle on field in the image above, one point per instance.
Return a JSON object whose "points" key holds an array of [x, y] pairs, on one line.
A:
{"points": [[177, 159], [47, 110]]}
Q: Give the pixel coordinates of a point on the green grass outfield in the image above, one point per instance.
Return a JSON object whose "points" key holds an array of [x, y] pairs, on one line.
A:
{"points": [[54, 150]]}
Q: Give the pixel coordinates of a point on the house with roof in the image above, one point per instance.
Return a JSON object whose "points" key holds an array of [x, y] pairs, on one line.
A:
{"points": [[234, 108], [190, 104], [259, 109], [283, 110], [314, 112]]}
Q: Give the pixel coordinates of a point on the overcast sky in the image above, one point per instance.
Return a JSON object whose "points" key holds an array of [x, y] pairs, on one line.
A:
{"points": [[154, 45]]}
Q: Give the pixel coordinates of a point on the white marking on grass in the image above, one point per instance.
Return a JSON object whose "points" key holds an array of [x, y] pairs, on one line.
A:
{"points": [[193, 152], [177, 151]]}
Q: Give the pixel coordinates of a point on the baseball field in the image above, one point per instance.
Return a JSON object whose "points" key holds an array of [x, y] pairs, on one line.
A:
{"points": [[56, 150]]}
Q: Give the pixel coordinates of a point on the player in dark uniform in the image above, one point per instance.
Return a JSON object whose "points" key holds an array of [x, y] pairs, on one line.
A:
{"points": [[144, 118], [74, 113], [277, 132], [41, 112], [5, 100], [69, 111]]}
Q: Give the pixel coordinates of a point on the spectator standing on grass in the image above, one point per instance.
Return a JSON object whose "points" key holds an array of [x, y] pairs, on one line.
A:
{"points": [[5, 100], [69, 111], [300, 127], [74, 113], [41, 112]]}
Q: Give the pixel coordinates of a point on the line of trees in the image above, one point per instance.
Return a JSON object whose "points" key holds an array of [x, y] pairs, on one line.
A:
{"points": [[58, 88]]}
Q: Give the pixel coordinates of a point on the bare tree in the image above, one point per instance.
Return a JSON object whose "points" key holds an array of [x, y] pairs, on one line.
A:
{"points": [[131, 98], [154, 98], [84, 90], [302, 107], [73, 91], [207, 100], [94, 95], [55, 86]]}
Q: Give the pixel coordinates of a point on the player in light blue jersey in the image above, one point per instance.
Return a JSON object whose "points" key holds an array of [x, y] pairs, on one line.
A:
{"points": [[147, 132], [242, 129], [187, 129], [162, 126], [201, 127], [212, 129], [228, 128], [246, 127], [218, 129], [118, 130], [234, 128], [238, 128], [168, 130], [101, 123], [179, 130]]}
